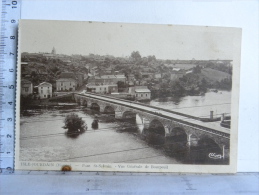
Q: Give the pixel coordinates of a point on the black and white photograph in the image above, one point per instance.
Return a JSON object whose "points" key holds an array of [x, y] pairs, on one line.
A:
{"points": [[127, 97]]}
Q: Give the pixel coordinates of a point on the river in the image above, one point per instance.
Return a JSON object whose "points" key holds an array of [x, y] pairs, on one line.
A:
{"points": [[198, 106], [42, 137]]}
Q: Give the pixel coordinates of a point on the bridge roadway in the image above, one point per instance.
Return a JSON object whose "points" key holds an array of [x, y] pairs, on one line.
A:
{"points": [[160, 112]]}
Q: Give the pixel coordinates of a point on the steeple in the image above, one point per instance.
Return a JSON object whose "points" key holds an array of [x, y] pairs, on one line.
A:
{"points": [[53, 50]]}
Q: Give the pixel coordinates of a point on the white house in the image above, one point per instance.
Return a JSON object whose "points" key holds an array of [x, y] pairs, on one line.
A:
{"points": [[104, 89], [140, 92], [67, 82], [45, 90]]}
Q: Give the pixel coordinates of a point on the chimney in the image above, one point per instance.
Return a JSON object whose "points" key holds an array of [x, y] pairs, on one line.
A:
{"points": [[222, 117], [211, 114]]}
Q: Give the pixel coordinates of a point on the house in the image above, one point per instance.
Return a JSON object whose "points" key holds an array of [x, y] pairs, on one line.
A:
{"points": [[26, 87], [107, 79], [103, 89], [66, 82], [45, 90], [140, 92]]}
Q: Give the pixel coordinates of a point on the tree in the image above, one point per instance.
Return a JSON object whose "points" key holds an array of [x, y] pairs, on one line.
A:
{"points": [[135, 55], [74, 124], [151, 58], [121, 84], [177, 89], [197, 69]]}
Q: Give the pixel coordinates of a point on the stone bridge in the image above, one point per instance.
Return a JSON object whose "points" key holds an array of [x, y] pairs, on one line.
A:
{"points": [[171, 123]]}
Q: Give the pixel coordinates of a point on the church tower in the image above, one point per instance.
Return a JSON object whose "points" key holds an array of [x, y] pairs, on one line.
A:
{"points": [[53, 50]]}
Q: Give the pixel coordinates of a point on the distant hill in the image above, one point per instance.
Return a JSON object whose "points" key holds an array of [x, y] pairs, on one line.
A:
{"points": [[213, 75]]}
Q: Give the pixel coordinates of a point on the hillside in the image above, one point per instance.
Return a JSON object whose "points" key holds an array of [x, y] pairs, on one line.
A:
{"points": [[213, 75]]}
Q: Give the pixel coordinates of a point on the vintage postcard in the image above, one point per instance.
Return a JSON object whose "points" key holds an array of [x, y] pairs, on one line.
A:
{"points": [[94, 96]]}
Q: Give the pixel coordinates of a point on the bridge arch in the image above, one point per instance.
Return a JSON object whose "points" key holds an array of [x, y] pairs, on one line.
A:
{"points": [[109, 109], [95, 106], [207, 146], [176, 142], [129, 115], [155, 133]]}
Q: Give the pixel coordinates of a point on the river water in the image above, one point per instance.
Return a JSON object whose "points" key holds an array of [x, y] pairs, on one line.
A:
{"points": [[42, 137], [198, 106]]}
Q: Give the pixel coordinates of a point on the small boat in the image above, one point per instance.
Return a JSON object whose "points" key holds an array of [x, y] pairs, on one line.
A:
{"points": [[209, 119]]}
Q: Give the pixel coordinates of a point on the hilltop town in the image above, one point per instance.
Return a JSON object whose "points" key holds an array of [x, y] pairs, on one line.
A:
{"points": [[135, 77]]}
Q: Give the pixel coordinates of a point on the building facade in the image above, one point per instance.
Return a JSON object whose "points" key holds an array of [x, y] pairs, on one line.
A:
{"points": [[26, 87], [107, 79], [45, 90], [67, 82], [102, 89], [140, 92]]}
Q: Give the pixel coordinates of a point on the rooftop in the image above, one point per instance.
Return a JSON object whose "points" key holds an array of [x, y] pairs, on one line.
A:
{"points": [[142, 91], [44, 83]]}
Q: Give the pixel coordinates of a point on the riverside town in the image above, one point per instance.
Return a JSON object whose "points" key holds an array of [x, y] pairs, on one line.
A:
{"points": [[127, 109]]}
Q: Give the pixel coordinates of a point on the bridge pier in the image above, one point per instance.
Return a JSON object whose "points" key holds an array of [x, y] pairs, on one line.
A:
{"points": [[102, 107], [146, 122], [118, 115], [191, 140], [225, 152]]}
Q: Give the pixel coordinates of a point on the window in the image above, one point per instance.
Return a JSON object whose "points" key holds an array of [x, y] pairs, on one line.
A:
{"points": [[141, 95], [70, 83], [136, 95], [44, 95], [146, 95], [41, 91], [41, 87], [61, 84], [48, 87], [26, 89]]}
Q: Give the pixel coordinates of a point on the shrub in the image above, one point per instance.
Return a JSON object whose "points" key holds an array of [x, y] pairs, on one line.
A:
{"points": [[74, 124]]}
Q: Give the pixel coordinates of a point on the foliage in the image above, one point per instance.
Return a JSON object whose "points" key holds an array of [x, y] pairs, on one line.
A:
{"points": [[151, 58], [121, 84], [223, 67], [177, 88], [135, 55], [225, 84], [74, 124], [197, 69]]}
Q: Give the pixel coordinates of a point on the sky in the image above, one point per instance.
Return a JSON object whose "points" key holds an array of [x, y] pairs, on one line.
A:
{"points": [[120, 39]]}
